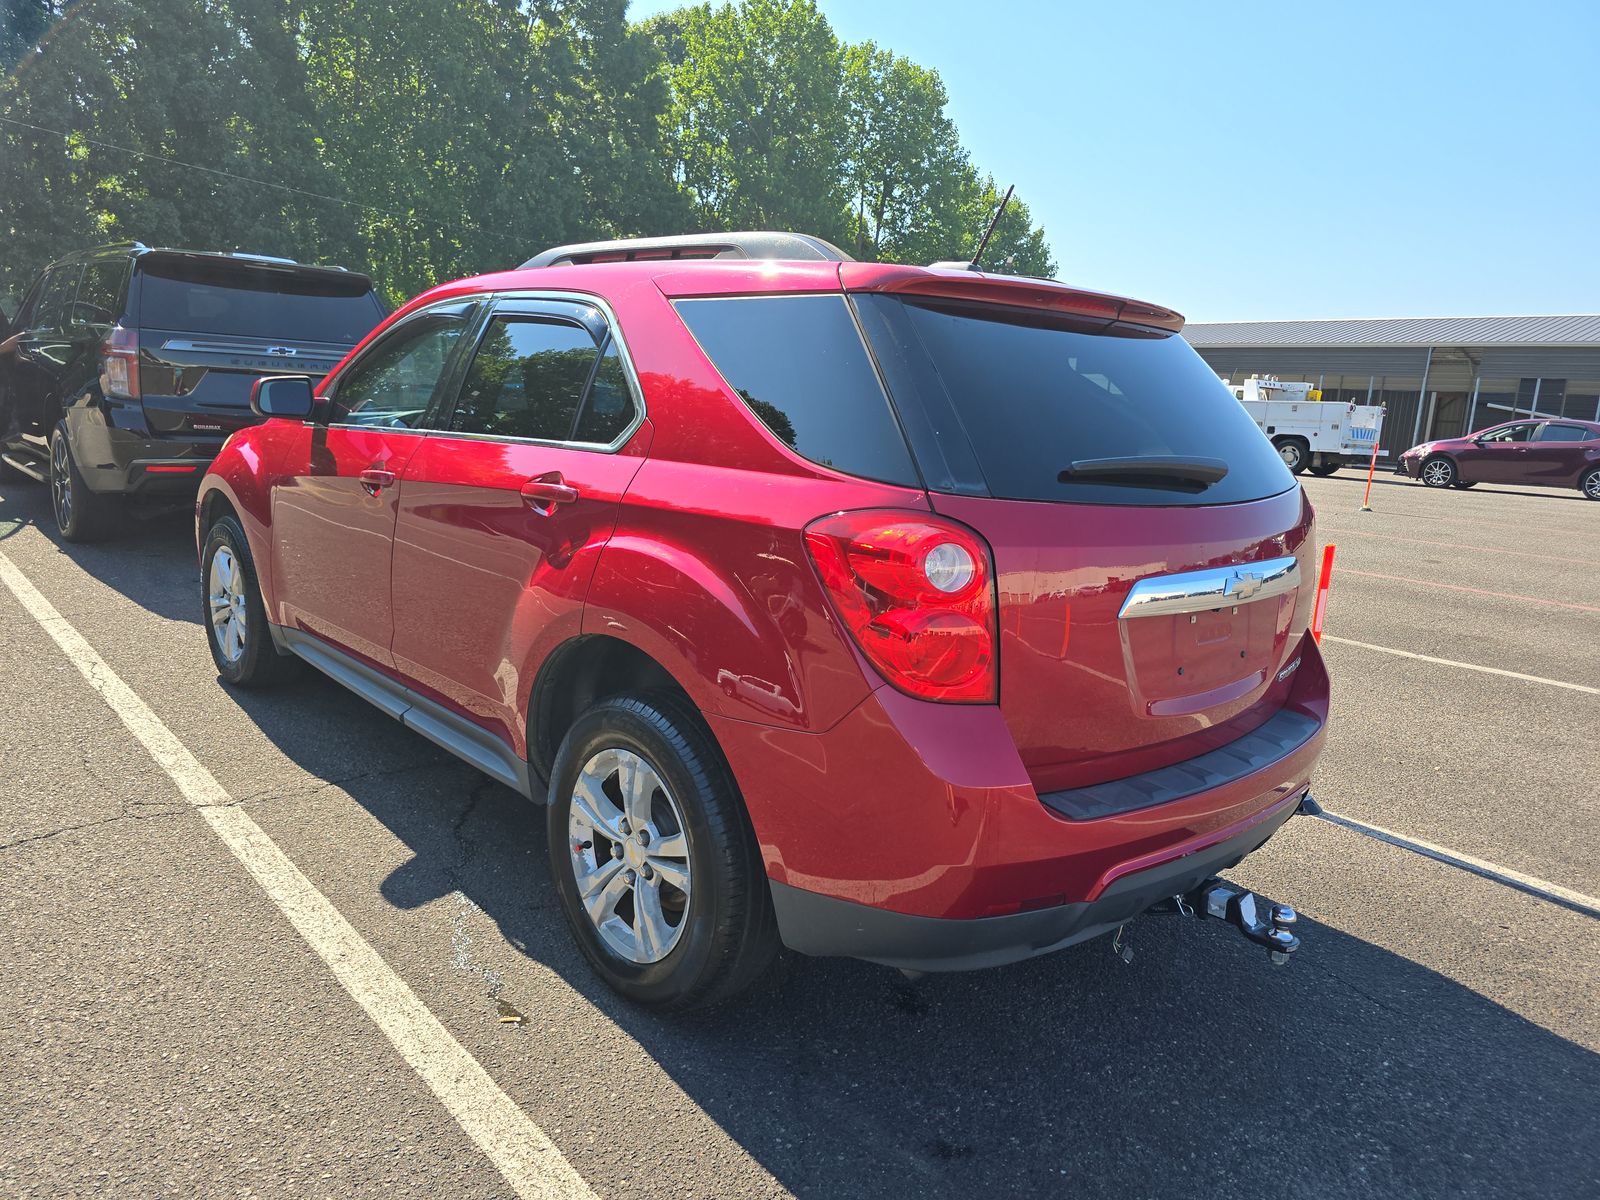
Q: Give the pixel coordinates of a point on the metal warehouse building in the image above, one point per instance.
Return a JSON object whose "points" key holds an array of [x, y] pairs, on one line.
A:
{"points": [[1438, 376]]}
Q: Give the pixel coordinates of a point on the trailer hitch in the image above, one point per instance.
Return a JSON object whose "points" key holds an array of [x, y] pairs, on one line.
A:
{"points": [[1263, 922]]}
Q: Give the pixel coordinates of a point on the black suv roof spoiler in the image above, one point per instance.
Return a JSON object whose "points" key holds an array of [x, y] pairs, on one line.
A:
{"points": [[139, 250], [745, 244]]}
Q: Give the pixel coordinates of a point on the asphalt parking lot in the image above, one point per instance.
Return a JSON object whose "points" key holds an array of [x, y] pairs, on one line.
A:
{"points": [[164, 1031]]}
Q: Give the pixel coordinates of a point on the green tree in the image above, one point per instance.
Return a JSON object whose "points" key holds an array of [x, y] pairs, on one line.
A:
{"points": [[22, 24], [905, 168], [756, 124]]}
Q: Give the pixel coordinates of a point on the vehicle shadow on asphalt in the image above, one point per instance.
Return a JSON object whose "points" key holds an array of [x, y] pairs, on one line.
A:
{"points": [[140, 561], [1196, 1069]]}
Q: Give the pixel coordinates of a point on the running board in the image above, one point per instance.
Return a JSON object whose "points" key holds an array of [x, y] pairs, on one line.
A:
{"points": [[467, 741], [34, 473]]}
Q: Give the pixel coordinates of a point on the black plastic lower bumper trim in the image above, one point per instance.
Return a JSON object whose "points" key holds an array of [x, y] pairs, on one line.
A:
{"points": [[811, 923], [1284, 733]]}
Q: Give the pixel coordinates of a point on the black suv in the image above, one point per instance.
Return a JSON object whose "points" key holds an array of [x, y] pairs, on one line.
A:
{"points": [[136, 364]]}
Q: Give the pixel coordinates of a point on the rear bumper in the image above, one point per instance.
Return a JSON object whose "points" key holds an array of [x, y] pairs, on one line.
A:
{"points": [[910, 833], [824, 925], [114, 460]]}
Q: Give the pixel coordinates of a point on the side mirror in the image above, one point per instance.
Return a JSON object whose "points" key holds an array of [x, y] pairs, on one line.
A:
{"points": [[283, 396]]}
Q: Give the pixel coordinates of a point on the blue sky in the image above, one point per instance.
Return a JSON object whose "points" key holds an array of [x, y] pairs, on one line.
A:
{"points": [[1245, 160]]}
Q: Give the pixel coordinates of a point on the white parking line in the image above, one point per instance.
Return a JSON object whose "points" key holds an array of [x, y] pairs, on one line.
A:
{"points": [[518, 1148], [1532, 884], [1449, 662]]}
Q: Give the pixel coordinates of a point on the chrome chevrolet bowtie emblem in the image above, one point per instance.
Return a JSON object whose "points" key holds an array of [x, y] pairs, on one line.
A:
{"points": [[282, 351], [1242, 586]]}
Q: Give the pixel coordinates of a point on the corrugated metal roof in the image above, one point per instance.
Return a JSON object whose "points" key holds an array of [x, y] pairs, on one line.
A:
{"points": [[1579, 330]]}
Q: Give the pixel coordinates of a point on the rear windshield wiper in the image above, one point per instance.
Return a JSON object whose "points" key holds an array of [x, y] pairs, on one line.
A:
{"points": [[1171, 471]]}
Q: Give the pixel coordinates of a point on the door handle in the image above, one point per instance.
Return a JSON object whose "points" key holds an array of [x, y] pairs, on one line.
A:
{"points": [[375, 479], [547, 491]]}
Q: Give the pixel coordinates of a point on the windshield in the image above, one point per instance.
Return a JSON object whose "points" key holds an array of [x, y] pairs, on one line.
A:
{"points": [[1043, 402]]}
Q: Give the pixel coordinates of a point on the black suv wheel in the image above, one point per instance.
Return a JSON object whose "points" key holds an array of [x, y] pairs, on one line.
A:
{"points": [[653, 857], [81, 515]]}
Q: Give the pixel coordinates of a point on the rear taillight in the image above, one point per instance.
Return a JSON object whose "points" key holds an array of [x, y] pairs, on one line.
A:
{"points": [[917, 595], [119, 364]]}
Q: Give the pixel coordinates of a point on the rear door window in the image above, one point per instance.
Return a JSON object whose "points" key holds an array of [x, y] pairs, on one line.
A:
{"points": [[1027, 406], [232, 300], [527, 380], [1565, 433], [799, 364]]}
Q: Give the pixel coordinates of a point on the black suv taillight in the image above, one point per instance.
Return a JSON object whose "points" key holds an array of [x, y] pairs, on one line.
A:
{"points": [[119, 364]]}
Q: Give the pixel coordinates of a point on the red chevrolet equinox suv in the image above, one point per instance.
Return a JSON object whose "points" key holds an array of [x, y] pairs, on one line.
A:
{"points": [[919, 615]]}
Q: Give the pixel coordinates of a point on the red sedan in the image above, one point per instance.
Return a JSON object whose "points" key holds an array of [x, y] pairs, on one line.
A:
{"points": [[918, 615], [1537, 452]]}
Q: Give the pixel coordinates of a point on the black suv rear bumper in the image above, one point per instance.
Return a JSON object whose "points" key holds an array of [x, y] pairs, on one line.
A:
{"points": [[113, 460], [815, 924]]}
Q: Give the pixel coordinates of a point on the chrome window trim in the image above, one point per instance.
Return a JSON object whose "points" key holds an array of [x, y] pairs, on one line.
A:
{"points": [[1212, 588], [613, 328]]}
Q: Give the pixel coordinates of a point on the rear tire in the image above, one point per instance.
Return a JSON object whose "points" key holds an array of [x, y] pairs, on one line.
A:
{"points": [[1589, 485], [1464, 484], [658, 944], [1295, 454], [1439, 472], [1325, 468], [234, 614], [81, 515]]}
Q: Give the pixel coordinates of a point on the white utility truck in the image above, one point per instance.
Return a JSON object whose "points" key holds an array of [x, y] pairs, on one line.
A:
{"points": [[1308, 433]]}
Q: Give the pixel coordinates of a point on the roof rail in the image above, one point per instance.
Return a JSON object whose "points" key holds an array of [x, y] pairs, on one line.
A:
{"points": [[745, 244]]}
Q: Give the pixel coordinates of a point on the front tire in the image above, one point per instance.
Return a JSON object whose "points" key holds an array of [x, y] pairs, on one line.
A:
{"points": [[1295, 454], [81, 515], [234, 613], [1589, 485], [1439, 472], [653, 856]]}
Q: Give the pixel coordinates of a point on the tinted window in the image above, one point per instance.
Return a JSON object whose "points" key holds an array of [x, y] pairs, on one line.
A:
{"points": [[1509, 433], [798, 363], [205, 296], [100, 293], [393, 381], [1565, 433], [609, 408], [526, 380], [60, 287], [1029, 402]]}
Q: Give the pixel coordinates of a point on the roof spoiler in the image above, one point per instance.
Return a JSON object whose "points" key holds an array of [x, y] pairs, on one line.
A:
{"points": [[748, 244]]}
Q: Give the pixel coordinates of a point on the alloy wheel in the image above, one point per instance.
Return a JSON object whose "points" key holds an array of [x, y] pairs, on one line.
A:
{"points": [[1591, 485], [61, 482], [629, 855], [225, 597], [1437, 473]]}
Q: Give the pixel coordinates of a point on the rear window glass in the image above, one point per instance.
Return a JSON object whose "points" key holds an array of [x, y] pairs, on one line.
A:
{"points": [[226, 299], [799, 364], [1031, 406]]}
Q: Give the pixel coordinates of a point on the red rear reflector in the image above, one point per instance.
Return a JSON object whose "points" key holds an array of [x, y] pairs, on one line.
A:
{"points": [[1320, 612], [170, 469], [916, 593]]}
